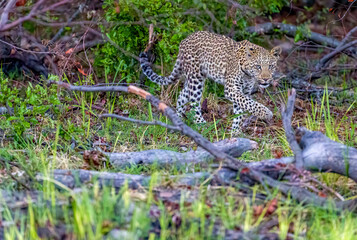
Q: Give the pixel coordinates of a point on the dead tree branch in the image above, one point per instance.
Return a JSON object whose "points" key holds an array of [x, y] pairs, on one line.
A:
{"points": [[347, 37], [287, 113], [234, 147], [75, 178], [157, 123], [325, 155], [323, 62], [291, 30]]}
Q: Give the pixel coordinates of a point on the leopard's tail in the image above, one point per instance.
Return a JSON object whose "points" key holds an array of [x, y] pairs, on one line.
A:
{"points": [[154, 77]]}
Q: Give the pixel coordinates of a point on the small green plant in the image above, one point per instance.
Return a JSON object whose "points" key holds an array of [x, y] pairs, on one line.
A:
{"points": [[321, 117], [25, 108]]}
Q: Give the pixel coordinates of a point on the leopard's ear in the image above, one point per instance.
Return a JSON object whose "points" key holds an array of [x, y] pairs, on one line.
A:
{"points": [[276, 51]]}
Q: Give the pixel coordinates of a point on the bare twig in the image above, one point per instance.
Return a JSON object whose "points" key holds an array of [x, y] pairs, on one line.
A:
{"points": [[158, 123], [347, 37], [151, 38], [22, 49], [34, 12], [323, 185], [87, 45]]}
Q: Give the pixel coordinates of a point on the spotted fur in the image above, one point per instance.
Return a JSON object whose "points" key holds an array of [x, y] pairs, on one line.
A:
{"points": [[236, 65]]}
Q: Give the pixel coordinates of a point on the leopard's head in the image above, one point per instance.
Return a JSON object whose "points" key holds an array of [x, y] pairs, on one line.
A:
{"points": [[261, 64]]}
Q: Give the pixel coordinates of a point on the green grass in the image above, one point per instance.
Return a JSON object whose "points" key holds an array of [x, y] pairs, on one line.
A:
{"points": [[201, 212]]}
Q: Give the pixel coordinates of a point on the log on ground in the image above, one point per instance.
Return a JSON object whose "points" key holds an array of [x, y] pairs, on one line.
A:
{"points": [[235, 147]]}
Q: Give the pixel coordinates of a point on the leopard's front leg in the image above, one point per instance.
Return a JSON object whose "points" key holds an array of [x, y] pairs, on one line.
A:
{"points": [[242, 103]]}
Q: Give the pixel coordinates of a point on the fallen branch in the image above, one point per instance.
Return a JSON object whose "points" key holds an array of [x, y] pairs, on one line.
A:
{"points": [[324, 155], [234, 147], [323, 62], [76, 178], [155, 123], [290, 30], [319, 154]]}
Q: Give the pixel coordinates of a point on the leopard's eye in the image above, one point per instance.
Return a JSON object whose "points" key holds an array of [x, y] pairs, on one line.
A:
{"points": [[258, 67], [271, 67]]}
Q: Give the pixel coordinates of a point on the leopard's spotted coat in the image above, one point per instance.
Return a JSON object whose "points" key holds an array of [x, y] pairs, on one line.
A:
{"points": [[236, 65]]}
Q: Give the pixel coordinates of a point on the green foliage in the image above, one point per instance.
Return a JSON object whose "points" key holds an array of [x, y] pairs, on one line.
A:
{"points": [[268, 6], [133, 37], [302, 33], [25, 106], [173, 21]]}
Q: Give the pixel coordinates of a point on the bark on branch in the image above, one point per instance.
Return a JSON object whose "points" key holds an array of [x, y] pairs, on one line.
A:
{"points": [[76, 178], [234, 147]]}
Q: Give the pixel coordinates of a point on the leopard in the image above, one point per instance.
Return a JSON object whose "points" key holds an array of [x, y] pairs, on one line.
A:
{"points": [[238, 65]]}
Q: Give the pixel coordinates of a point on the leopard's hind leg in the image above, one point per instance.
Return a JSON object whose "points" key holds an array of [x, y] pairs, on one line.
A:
{"points": [[195, 83], [182, 100]]}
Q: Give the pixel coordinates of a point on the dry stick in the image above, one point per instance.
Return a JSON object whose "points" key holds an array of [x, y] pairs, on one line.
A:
{"points": [[300, 194], [323, 185], [347, 37], [289, 132], [87, 45], [158, 123], [151, 38], [322, 63]]}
